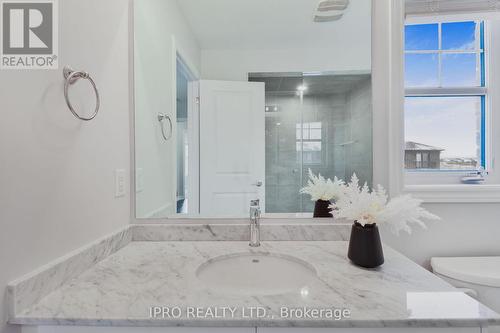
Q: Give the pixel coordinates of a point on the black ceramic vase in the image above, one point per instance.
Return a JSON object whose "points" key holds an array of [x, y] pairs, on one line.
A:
{"points": [[321, 209], [365, 247]]}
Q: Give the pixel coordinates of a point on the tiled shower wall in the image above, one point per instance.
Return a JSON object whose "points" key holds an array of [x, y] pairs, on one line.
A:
{"points": [[344, 118], [359, 155]]}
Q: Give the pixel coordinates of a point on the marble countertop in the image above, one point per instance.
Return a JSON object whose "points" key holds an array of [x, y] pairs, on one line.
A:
{"points": [[122, 290]]}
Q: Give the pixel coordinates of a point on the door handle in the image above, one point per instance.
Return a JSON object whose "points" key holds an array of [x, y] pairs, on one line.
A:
{"points": [[258, 184]]}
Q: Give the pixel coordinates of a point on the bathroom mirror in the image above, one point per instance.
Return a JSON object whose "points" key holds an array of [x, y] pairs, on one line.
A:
{"points": [[237, 100]]}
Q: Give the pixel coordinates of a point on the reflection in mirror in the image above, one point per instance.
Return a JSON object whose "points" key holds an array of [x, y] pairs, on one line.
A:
{"points": [[236, 100], [314, 122], [185, 141]]}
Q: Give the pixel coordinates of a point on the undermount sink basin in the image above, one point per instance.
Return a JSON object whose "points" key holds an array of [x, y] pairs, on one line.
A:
{"points": [[257, 274]]}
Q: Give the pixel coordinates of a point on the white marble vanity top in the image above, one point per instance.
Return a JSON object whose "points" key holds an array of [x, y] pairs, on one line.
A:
{"points": [[121, 289]]}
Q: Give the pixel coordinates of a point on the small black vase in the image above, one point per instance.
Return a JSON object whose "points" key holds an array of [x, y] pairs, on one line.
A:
{"points": [[365, 247], [321, 209]]}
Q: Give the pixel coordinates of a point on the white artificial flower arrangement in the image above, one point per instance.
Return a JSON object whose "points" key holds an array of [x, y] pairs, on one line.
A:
{"points": [[370, 207], [320, 188]]}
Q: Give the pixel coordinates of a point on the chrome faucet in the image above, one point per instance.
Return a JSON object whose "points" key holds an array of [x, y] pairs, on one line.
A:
{"points": [[254, 223]]}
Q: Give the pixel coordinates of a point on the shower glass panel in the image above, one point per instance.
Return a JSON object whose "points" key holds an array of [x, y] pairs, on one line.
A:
{"points": [[322, 123]]}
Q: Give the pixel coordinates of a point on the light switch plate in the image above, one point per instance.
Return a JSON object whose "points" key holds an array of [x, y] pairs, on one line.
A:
{"points": [[139, 180], [120, 182]]}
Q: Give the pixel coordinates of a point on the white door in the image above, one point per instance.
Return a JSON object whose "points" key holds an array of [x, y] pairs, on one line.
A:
{"points": [[232, 152]]}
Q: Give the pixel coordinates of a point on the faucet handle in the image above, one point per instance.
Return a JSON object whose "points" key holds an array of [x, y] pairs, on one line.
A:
{"points": [[255, 211]]}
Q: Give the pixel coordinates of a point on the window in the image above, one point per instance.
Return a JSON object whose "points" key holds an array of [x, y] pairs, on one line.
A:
{"points": [[309, 142], [446, 94]]}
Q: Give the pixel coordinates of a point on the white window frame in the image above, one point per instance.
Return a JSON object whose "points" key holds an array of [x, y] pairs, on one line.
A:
{"points": [[451, 191], [302, 140], [477, 51], [416, 177]]}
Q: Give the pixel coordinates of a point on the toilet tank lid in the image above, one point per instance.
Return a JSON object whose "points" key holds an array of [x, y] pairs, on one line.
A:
{"points": [[483, 271]]}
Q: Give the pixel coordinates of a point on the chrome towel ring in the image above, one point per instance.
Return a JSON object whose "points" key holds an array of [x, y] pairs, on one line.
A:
{"points": [[161, 118], [71, 77]]}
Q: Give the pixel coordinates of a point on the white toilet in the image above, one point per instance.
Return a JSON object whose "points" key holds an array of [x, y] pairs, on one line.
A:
{"points": [[477, 276]]}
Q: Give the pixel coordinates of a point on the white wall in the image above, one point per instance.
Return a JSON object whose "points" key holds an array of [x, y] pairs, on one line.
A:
{"points": [[465, 230], [56, 172], [158, 23], [340, 47], [234, 65]]}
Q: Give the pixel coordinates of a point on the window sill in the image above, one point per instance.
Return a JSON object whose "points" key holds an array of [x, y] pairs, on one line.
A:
{"points": [[441, 178], [458, 193]]}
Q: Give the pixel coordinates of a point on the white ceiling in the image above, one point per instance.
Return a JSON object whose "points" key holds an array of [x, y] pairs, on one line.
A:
{"points": [[272, 24]]}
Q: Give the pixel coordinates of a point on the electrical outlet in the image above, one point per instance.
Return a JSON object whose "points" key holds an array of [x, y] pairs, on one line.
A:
{"points": [[139, 180], [120, 183]]}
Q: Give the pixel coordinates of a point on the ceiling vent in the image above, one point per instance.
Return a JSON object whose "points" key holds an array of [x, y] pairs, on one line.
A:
{"points": [[327, 17], [330, 10], [328, 5]]}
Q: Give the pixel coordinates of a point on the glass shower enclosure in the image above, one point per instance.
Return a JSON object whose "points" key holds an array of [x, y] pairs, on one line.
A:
{"points": [[317, 122]]}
